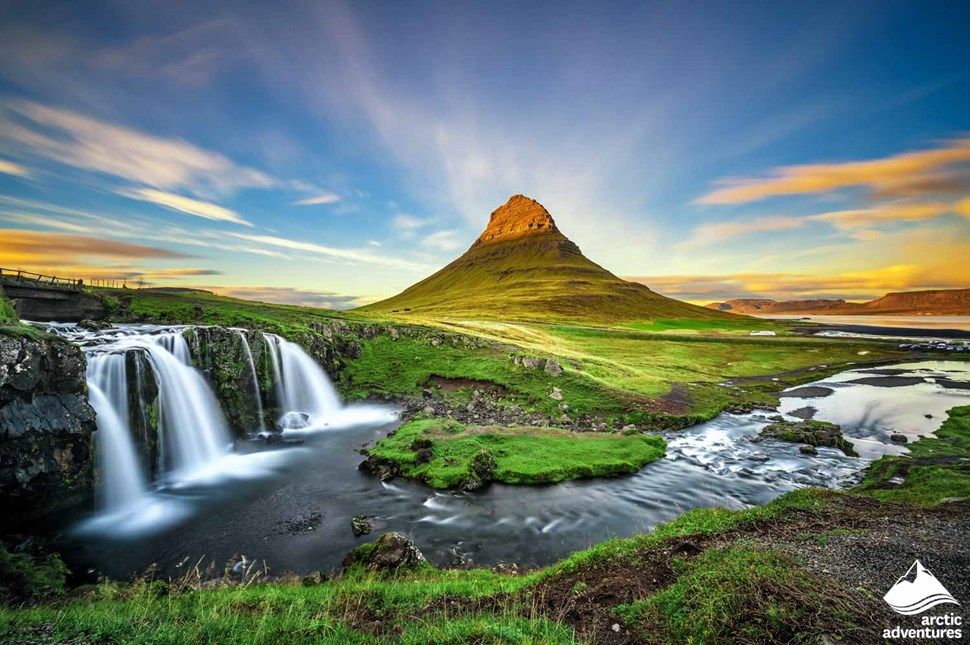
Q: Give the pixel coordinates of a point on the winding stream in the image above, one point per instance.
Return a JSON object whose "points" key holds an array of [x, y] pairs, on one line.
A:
{"points": [[290, 505]]}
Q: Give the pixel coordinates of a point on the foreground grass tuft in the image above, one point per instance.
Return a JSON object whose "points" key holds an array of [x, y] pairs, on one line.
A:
{"points": [[741, 595]]}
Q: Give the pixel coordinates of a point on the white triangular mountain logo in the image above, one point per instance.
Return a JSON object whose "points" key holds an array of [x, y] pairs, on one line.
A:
{"points": [[914, 594]]}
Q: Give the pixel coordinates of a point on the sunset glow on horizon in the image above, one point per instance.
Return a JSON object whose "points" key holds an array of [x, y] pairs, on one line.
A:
{"points": [[333, 153]]}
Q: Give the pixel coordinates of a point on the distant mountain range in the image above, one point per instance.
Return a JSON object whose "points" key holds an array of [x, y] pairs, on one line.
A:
{"points": [[523, 268], [937, 302]]}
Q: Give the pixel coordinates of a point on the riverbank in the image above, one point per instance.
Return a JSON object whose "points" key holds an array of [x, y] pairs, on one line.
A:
{"points": [[755, 575]]}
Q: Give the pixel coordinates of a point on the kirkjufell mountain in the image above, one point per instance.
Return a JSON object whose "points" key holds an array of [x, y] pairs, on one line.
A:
{"points": [[522, 267]]}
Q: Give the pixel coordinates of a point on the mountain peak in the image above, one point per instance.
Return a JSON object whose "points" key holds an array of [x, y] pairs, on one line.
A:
{"points": [[518, 217]]}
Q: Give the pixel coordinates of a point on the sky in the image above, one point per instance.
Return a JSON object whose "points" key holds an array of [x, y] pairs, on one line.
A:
{"points": [[333, 153]]}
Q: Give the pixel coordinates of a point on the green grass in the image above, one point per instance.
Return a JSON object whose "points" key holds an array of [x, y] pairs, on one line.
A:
{"points": [[355, 609], [515, 455], [741, 594], [737, 324], [936, 468], [7, 313], [25, 577], [199, 308], [614, 373], [405, 366]]}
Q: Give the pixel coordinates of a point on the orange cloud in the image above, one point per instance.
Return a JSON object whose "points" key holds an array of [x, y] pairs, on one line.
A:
{"points": [[928, 265], [19, 246], [84, 256], [901, 211], [937, 169]]}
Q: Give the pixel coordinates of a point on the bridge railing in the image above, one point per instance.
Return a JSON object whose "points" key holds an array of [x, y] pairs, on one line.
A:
{"points": [[38, 279]]}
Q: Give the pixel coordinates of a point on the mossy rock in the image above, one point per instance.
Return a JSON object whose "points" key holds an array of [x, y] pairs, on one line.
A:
{"points": [[391, 552], [813, 433]]}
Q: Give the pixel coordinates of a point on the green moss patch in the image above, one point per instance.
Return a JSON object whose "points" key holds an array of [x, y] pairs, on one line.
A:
{"points": [[935, 469], [449, 455]]}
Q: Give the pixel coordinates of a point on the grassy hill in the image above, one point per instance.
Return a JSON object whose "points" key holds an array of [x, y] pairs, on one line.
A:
{"points": [[523, 268]]}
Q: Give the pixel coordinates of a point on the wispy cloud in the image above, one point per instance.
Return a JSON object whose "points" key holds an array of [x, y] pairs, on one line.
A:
{"points": [[408, 223], [186, 205], [443, 241], [714, 232], [291, 296], [325, 198], [11, 168], [66, 137], [934, 170], [363, 256], [191, 56]]}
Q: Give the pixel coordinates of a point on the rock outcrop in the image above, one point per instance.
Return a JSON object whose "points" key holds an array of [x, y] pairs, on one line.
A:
{"points": [[518, 217], [46, 425], [391, 552], [811, 433]]}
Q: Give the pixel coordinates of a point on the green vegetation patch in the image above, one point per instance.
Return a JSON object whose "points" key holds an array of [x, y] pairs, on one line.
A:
{"points": [[354, 609], [28, 578], [202, 308], [742, 595], [728, 325], [7, 313], [935, 469], [404, 366], [449, 455]]}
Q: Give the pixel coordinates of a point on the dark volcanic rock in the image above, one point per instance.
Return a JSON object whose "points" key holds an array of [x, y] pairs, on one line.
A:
{"points": [[812, 433], [361, 525], [46, 426], [391, 552]]}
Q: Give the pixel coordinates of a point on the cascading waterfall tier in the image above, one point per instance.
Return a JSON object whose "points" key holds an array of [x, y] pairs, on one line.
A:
{"points": [[190, 430], [308, 397]]}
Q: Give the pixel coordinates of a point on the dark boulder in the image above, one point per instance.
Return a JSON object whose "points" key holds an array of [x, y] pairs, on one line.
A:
{"points": [[391, 552], [361, 525], [812, 433], [46, 426]]}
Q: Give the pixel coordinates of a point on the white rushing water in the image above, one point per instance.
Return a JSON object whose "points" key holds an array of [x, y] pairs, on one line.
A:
{"points": [[190, 422], [122, 481], [252, 371], [306, 389], [194, 443]]}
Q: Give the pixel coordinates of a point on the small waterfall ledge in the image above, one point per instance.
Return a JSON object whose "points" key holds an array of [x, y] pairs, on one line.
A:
{"points": [[161, 397]]}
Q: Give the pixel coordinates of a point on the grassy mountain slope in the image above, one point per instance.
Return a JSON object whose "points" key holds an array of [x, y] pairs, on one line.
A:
{"points": [[523, 268]]}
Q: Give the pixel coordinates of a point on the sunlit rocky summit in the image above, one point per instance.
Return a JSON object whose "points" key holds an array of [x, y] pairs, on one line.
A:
{"points": [[522, 267]]}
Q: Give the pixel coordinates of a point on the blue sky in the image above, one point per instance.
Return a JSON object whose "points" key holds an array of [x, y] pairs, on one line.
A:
{"points": [[334, 153]]}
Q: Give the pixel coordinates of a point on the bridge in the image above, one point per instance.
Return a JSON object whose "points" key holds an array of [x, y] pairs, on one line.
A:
{"points": [[49, 298]]}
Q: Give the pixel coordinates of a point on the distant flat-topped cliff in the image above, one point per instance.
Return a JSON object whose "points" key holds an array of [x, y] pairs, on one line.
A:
{"points": [[937, 302], [522, 267]]}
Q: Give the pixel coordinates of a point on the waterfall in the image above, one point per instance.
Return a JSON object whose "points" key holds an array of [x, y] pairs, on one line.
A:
{"points": [[190, 420], [126, 363], [122, 482], [252, 371], [273, 348], [305, 388], [107, 373]]}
